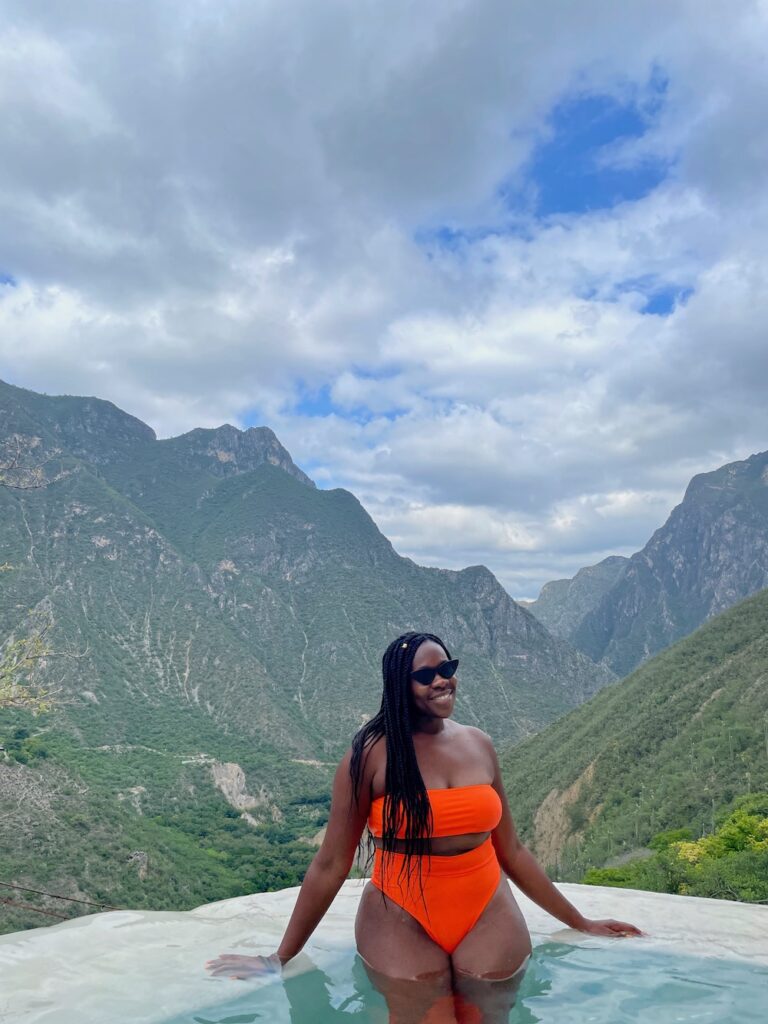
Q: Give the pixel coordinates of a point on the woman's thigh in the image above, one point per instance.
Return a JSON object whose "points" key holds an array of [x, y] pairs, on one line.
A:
{"points": [[499, 942], [410, 970], [489, 963], [484, 999]]}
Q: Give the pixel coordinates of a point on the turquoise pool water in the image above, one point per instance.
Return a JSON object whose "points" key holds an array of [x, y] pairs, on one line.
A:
{"points": [[564, 984]]}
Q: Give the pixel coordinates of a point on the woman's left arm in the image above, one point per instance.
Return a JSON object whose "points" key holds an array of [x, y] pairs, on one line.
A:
{"points": [[521, 866]]}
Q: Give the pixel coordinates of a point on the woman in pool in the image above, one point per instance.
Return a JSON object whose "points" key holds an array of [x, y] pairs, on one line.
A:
{"points": [[438, 928]]}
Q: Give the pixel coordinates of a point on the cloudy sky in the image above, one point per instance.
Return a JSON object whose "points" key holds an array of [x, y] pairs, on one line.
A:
{"points": [[500, 269]]}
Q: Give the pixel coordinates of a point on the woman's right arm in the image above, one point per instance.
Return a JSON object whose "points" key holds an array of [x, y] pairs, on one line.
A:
{"points": [[332, 862], [324, 877]]}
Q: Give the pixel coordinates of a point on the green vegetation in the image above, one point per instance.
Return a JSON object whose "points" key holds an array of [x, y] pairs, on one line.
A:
{"points": [[23, 748], [24, 465], [140, 828], [730, 863], [215, 614], [672, 746], [19, 660], [207, 570]]}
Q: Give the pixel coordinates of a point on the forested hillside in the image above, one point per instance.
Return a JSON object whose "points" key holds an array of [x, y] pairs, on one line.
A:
{"points": [[669, 747], [728, 862]]}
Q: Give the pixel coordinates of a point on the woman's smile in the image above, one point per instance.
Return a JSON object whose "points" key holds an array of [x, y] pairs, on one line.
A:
{"points": [[443, 697]]}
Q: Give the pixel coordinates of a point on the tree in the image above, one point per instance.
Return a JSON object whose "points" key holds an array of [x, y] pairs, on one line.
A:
{"points": [[18, 665], [23, 462]]}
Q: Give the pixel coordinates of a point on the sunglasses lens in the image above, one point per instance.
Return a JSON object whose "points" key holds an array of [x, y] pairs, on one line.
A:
{"points": [[425, 676]]}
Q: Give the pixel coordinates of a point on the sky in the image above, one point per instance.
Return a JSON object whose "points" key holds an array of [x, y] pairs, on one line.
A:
{"points": [[499, 269]]}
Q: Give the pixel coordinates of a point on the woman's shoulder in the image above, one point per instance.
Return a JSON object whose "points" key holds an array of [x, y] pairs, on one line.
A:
{"points": [[470, 734], [376, 750], [371, 759]]}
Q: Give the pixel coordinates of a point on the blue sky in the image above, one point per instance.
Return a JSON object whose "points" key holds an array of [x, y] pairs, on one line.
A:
{"points": [[580, 166], [572, 172]]}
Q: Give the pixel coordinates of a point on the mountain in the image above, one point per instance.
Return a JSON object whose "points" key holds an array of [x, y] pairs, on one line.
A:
{"points": [[668, 747], [213, 625], [563, 604], [711, 553], [208, 569]]}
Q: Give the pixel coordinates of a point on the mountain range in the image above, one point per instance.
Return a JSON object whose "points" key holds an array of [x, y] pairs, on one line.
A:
{"points": [[209, 572], [711, 552]]}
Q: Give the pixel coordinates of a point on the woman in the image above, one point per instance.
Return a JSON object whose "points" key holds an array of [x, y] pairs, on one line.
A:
{"points": [[437, 927]]}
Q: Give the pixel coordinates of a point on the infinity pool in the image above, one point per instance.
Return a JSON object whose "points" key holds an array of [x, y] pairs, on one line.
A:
{"points": [[563, 984], [704, 961]]}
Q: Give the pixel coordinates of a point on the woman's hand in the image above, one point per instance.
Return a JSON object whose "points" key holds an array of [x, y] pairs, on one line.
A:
{"points": [[238, 967], [616, 929]]}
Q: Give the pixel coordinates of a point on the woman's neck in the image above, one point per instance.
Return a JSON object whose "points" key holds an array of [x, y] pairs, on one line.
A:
{"points": [[428, 726]]}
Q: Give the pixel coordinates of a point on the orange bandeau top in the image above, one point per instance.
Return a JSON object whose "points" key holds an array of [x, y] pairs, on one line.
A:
{"points": [[455, 812]]}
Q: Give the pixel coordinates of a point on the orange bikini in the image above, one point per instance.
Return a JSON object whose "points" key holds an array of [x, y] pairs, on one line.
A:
{"points": [[456, 889]]}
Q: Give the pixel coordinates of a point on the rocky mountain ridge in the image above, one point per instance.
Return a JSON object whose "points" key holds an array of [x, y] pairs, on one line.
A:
{"points": [[563, 604], [711, 553]]}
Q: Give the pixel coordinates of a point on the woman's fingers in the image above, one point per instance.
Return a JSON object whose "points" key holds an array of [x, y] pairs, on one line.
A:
{"points": [[618, 929], [236, 966], [624, 928]]}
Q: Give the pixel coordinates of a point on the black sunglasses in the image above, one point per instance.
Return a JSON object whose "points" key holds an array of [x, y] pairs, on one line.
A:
{"points": [[425, 676]]}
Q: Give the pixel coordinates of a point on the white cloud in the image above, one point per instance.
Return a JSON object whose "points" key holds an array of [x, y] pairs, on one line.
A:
{"points": [[210, 208]]}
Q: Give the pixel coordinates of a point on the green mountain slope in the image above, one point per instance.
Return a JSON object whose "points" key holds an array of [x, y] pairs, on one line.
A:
{"points": [[144, 826], [729, 862], [666, 748]]}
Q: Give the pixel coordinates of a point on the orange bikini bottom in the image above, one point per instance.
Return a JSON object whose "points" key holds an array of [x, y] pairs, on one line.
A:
{"points": [[456, 890]]}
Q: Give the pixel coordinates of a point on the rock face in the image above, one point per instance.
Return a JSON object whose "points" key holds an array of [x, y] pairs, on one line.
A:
{"points": [[552, 826], [227, 450], [563, 604], [711, 553], [230, 779], [140, 860]]}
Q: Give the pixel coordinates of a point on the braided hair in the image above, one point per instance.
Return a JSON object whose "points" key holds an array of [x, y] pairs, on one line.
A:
{"points": [[405, 799]]}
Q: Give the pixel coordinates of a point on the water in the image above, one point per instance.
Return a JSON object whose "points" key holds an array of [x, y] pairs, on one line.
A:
{"points": [[564, 984]]}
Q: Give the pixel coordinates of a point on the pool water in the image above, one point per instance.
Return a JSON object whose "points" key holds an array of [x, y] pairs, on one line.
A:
{"points": [[564, 984]]}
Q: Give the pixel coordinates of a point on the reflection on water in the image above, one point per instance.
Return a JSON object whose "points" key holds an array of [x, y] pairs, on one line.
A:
{"points": [[315, 997], [612, 984], [308, 998]]}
